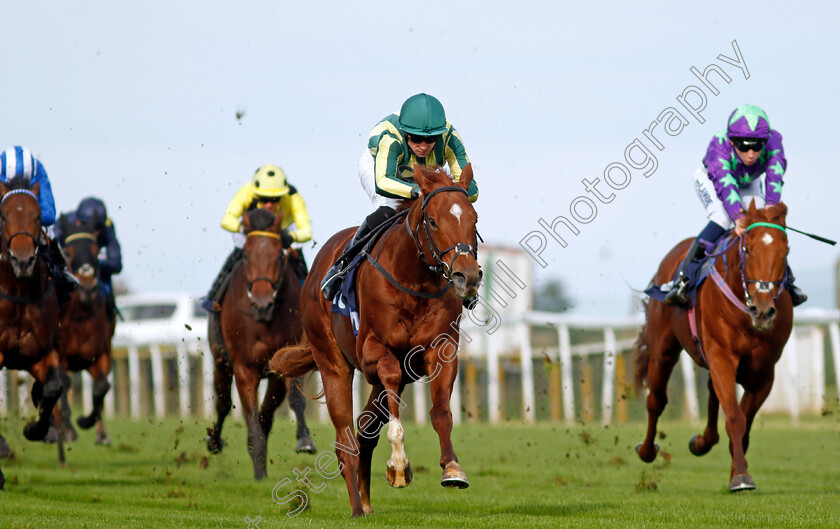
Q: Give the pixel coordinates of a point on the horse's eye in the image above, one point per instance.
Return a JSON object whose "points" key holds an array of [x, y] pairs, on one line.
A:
{"points": [[433, 223], [746, 251]]}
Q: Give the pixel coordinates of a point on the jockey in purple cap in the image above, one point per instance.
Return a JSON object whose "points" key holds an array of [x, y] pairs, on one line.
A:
{"points": [[745, 162]]}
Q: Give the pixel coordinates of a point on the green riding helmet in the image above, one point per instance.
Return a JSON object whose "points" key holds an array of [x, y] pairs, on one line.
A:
{"points": [[423, 115]]}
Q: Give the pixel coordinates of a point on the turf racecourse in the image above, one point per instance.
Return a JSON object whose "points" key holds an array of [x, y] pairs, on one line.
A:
{"points": [[158, 474]]}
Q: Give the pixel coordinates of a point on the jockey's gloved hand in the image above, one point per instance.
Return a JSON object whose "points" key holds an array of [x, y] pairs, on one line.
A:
{"points": [[286, 238], [415, 191]]}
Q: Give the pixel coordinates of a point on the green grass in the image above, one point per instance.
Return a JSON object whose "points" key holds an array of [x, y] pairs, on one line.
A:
{"points": [[158, 474]]}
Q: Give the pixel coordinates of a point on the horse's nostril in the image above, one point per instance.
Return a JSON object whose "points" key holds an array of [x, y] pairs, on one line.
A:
{"points": [[771, 312], [753, 311]]}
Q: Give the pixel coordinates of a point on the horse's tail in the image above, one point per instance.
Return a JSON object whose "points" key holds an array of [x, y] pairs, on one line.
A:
{"points": [[293, 360], [641, 354]]}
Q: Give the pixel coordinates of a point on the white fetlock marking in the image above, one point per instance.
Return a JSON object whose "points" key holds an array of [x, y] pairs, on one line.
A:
{"points": [[396, 435]]}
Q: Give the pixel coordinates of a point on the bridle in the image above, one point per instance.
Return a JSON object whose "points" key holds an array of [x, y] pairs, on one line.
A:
{"points": [[87, 268], [762, 286], [276, 285], [7, 243], [441, 267]]}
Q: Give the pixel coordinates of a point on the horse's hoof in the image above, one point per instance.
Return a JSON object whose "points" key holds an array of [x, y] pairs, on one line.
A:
{"points": [[215, 445], [306, 445], [741, 482], [647, 458], [399, 479], [103, 439], [86, 423], [454, 476], [4, 449], [33, 432], [51, 437], [692, 446], [68, 435], [368, 509]]}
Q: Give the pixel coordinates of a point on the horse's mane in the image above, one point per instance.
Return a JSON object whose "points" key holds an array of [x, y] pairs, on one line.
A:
{"points": [[19, 182], [436, 175], [260, 219]]}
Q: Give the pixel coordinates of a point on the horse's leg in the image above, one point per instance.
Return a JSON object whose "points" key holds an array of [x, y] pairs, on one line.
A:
{"points": [[441, 389], [701, 444], [62, 411], [338, 391], [222, 381], [274, 395], [722, 367], [247, 382], [49, 388], [664, 354], [369, 425], [389, 372], [297, 402], [751, 402], [99, 372]]}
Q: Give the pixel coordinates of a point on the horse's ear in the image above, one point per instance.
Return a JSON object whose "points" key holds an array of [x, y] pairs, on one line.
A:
{"points": [[36, 189], [466, 177], [752, 209], [278, 221], [422, 179], [246, 222], [3, 189], [64, 225]]}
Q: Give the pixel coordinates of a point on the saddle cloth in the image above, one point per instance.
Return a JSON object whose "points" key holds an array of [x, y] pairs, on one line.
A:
{"points": [[697, 271]]}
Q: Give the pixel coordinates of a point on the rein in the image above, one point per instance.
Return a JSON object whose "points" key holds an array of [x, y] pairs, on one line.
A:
{"points": [[276, 285], [720, 281], [6, 251], [440, 267]]}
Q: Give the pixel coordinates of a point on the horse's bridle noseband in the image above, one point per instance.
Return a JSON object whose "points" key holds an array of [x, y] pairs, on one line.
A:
{"points": [[440, 266], [762, 286]]}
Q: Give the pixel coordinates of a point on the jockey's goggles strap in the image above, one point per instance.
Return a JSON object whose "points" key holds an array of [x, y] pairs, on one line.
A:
{"points": [[766, 225], [258, 233]]}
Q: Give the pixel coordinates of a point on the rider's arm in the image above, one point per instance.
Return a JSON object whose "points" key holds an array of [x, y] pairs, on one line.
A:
{"points": [[774, 169], [718, 162], [456, 157], [387, 153], [303, 227], [231, 221], [112, 264], [45, 196]]}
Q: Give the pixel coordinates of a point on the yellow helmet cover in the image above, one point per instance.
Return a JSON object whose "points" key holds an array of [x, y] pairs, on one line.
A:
{"points": [[270, 181]]}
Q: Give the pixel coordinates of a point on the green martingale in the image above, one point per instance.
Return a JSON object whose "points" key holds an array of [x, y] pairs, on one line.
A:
{"points": [[158, 474]]}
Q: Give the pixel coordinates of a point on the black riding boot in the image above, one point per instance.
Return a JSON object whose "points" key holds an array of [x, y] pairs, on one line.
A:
{"points": [[796, 295], [65, 282], [298, 264], [677, 296], [217, 291], [332, 281]]}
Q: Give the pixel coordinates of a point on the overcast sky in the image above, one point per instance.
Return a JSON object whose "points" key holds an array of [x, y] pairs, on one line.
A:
{"points": [[136, 103]]}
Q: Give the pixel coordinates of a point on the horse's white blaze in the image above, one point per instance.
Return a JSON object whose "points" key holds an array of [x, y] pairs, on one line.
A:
{"points": [[456, 211], [396, 435], [767, 239]]}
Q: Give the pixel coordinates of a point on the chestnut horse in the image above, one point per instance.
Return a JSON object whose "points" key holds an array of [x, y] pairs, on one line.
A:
{"points": [[86, 326], [28, 304], [744, 317], [260, 313], [409, 327]]}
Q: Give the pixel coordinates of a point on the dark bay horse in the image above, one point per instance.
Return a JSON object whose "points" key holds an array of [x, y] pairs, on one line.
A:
{"points": [[28, 304], [86, 326], [409, 327], [742, 327], [260, 313]]}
